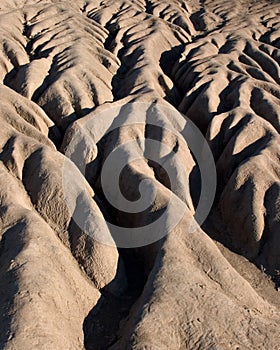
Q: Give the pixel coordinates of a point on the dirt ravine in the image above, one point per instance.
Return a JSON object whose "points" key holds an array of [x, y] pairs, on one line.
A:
{"points": [[131, 86]]}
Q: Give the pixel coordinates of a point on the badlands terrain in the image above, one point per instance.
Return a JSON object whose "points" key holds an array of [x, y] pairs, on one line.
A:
{"points": [[104, 104]]}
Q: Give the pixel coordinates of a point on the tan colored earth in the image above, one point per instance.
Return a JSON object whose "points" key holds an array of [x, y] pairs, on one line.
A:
{"points": [[80, 79]]}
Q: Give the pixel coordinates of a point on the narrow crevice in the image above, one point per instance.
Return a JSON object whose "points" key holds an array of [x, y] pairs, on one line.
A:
{"points": [[110, 42], [149, 7], [103, 325], [110, 45], [9, 250], [28, 47], [167, 61], [106, 321]]}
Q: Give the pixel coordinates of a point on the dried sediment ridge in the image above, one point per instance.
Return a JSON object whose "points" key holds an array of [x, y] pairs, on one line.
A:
{"points": [[64, 64]]}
